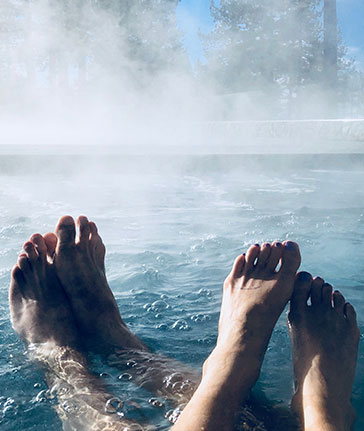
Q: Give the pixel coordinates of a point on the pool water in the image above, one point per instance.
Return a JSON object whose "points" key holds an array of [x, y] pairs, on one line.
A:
{"points": [[172, 227]]}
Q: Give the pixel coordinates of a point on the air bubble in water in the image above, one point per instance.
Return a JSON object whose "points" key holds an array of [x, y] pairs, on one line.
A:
{"points": [[10, 407], [41, 396], [205, 292], [181, 325], [159, 305], [125, 376], [113, 405], [155, 402], [173, 415], [69, 407]]}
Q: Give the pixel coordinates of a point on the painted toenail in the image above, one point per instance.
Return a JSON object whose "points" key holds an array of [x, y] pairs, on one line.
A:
{"points": [[290, 245], [304, 276]]}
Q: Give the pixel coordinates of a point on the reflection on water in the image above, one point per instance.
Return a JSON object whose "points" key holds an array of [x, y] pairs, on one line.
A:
{"points": [[172, 228]]}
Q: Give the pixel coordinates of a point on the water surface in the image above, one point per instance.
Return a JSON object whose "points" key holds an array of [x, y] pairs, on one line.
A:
{"points": [[172, 227]]}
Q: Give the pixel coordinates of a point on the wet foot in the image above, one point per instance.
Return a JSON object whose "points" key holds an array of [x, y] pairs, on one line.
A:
{"points": [[39, 309], [255, 294], [80, 268], [325, 340]]}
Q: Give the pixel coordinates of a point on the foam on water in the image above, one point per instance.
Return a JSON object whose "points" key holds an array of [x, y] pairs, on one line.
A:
{"points": [[171, 237]]}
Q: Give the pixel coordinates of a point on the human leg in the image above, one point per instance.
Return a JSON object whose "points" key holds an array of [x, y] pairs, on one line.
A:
{"points": [[80, 267], [254, 296], [325, 338], [41, 315]]}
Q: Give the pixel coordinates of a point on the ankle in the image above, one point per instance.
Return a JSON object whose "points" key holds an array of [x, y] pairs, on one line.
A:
{"points": [[323, 415], [235, 369]]}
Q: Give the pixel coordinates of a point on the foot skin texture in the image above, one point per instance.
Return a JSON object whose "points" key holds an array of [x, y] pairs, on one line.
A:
{"points": [[80, 268], [325, 339], [39, 309], [254, 296]]}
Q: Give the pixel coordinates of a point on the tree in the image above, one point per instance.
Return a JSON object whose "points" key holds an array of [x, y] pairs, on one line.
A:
{"points": [[270, 47], [330, 42]]}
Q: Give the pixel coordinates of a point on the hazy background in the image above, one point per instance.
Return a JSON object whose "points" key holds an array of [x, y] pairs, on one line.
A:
{"points": [[112, 71]]}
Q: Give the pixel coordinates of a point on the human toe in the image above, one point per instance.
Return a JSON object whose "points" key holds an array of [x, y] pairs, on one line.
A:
{"points": [[327, 295], [264, 256], [84, 233], [291, 258], [251, 257], [350, 313], [66, 232], [51, 242], [339, 301], [238, 266], [31, 252], [301, 292], [275, 256], [17, 281], [316, 291], [40, 245]]}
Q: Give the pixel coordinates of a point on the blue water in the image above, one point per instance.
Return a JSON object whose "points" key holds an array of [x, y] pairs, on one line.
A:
{"points": [[172, 227]]}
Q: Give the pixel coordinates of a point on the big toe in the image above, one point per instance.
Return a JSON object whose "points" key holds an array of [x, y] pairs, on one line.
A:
{"points": [[301, 293], [66, 232], [291, 258]]}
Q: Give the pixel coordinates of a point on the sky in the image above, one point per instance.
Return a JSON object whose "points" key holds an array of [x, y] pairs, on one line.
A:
{"points": [[194, 17]]}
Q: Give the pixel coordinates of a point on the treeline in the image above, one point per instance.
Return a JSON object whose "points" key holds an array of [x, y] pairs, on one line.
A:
{"points": [[270, 50]]}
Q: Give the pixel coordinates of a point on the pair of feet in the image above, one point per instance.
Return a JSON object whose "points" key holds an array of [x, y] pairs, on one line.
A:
{"points": [[59, 292], [59, 295]]}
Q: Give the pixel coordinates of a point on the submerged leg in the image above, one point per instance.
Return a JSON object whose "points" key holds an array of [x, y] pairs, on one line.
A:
{"points": [[254, 296], [325, 340], [81, 270], [41, 315]]}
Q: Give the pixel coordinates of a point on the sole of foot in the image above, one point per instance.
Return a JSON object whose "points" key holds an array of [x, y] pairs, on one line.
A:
{"points": [[39, 309], [325, 339], [80, 267], [254, 295]]}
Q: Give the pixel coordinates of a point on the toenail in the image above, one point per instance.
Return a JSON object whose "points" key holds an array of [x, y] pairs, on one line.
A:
{"points": [[67, 220], [278, 244], [304, 276], [256, 245], [290, 245]]}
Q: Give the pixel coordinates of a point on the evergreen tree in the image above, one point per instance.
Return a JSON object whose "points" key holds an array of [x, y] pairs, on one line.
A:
{"points": [[265, 46]]}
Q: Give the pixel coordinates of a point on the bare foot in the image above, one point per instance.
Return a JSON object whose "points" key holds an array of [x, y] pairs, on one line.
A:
{"points": [[325, 340], [39, 309], [80, 268], [254, 296]]}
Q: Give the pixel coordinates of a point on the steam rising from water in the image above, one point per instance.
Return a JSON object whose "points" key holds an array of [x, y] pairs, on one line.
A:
{"points": [[109, 72]]}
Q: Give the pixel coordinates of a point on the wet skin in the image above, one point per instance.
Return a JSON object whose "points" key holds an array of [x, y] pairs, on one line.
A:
{"points": [[81, 270], [325, 339], [71, 290], [254, 296], [39, 308]]}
